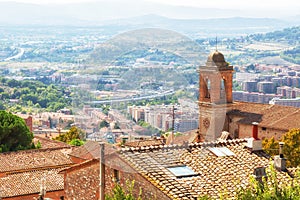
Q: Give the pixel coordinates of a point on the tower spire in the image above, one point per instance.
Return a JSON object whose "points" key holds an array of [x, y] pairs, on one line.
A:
{"points": [[216, 43]]}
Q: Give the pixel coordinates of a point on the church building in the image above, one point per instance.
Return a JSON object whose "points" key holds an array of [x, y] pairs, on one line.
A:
{"points": [[218, 112]]}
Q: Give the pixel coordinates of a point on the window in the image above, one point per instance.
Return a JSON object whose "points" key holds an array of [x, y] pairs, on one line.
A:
{"points": [[221, 151], [182, 171], [116, 176], [263, 128]]}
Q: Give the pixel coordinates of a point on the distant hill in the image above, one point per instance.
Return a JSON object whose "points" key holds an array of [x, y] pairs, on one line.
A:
{"points": [[140, 14], [218, 26], [290, 35]]}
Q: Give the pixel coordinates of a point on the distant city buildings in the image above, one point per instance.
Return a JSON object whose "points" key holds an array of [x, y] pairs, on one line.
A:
{"points": [[161, 116], [284, 85], [254, 97], [288, 92], [286, 102]]}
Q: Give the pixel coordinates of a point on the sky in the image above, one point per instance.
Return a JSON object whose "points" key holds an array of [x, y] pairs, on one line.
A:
{"points": [[181, 9], [286, 4]]}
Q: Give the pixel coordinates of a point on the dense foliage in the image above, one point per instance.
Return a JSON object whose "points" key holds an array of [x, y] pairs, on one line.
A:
{"points": [[120, 193], [32, 94], [291, 148], [103, 124], [271, 188], [14, 134], [268, 188], [292, 55], [291, 35], [74, 136]]}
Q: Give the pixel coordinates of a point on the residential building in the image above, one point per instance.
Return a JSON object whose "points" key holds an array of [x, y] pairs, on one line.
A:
{"points": [[180, 172], [286, 102], [24, 173], [266, 87]]}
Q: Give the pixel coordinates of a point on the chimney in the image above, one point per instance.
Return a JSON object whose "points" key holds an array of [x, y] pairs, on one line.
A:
{"points": [[254, 143], [102, 172], [279, 160], [255, 130]]}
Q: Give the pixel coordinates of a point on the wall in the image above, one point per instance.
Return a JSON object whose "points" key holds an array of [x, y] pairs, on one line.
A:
{"points": [[245, 130], [234, 126], [264, 132], [52, 195], [82, 181]]}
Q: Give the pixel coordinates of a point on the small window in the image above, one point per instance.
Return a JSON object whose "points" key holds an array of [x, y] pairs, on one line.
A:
{"points": [[116, 176], [182, 171], [263, 128]]}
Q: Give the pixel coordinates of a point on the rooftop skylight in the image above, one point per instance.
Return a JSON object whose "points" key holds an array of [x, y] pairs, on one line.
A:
{"points": [[182, 171], [221, 151]]}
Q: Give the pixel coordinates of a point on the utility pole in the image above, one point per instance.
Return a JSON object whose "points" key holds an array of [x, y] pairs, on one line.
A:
{"points": [[173, 124], [102, 173]]}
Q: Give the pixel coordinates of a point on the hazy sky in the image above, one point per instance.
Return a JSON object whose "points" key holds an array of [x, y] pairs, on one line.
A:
{"points": [[292, 4], [127, 8]]}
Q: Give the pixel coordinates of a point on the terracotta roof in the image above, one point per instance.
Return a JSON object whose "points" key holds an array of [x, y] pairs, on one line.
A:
{"points": [[47, 143], [17, 184], [34, 159], [91, 150], [188, 136], [273, 116], [140, 143], [213, 173]]}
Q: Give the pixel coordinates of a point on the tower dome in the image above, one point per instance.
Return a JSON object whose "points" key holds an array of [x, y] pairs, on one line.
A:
{"points": [[216, 59]]}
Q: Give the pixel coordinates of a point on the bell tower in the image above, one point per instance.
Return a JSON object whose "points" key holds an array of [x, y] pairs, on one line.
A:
{"points": [[215, 92]]}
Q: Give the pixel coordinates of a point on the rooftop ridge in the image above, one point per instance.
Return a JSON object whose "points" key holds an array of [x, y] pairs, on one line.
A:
{"points": [[284, 117], [182, 146], [34, 150], [45, 168]]}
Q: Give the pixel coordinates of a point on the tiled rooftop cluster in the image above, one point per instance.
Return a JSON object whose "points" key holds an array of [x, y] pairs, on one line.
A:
{"points": [[274, 116], [140, 143], [22, 172], [213, 174], [34, 159], [29, 182], [49, 144]]}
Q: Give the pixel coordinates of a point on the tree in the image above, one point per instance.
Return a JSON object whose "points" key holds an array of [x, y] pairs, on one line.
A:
{"points": [[271, 146], [116, 126], [103, 123], [119, 193], [291, 149], [2, 107], [271, 188], [76, 142], [73, 134], [14, 134], [13, 83]]}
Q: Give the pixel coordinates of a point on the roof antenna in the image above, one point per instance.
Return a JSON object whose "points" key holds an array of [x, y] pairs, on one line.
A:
{"points": [[216, 43]]}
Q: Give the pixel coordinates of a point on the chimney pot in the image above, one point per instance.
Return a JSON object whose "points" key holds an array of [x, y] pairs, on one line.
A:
{"points": [[281, 144], [255, 130], [280, 161]]}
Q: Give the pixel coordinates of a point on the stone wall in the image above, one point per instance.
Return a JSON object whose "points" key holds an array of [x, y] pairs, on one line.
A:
{"points": [[82, 181]]}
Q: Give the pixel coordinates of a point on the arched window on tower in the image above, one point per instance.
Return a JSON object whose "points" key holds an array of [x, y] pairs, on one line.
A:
{"points": [[222, 91], [207, 94]]}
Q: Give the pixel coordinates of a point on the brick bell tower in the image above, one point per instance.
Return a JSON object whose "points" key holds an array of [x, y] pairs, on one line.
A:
{"points": [[215, 93]]}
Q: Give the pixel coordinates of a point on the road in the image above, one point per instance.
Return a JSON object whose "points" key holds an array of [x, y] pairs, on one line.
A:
{"points": [[21, 52], [165, 93]]}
